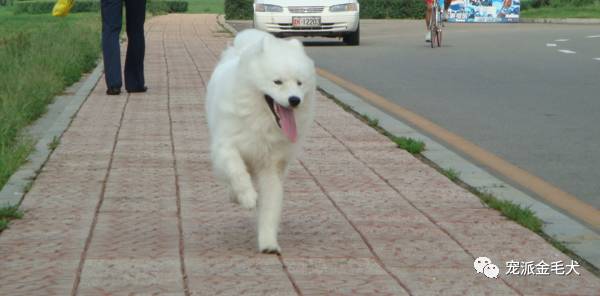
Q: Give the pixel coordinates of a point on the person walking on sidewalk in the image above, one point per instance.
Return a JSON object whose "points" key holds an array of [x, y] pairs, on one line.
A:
{"points": [[112, 16]]}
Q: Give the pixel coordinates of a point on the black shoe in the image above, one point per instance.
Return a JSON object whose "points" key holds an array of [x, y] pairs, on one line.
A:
{"points": [[113, 91], [138, 90]]}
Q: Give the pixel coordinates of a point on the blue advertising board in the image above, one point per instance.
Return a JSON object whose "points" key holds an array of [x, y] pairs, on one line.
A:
{"points": [[483, 11]]}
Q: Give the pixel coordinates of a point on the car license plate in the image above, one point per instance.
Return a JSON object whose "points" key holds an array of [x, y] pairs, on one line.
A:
{"points": [[306, 21]]}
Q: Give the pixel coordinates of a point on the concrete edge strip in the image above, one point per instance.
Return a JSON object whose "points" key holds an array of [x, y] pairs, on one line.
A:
{"points": [[222, 22], [15, 189], [576, 236]]}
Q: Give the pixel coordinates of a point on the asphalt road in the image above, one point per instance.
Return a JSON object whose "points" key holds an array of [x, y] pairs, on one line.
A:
{"points": [[529, 93]]}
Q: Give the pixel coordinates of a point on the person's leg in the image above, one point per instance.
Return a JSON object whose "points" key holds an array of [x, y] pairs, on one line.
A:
{"points": [[427, 19], [136, 48], [112, 14]]}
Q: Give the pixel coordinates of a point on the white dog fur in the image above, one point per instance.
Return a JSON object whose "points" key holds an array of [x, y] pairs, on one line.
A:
{"points": [[250, 146]]}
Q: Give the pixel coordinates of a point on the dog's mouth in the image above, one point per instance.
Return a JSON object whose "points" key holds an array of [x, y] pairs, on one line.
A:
{"points": [[284, 117]]}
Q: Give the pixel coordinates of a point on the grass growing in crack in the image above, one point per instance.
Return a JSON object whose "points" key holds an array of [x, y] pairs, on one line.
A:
{"points": [[527, 218], [515, 212], [8, 213], [372, 122], [55, 142], [452, 174], [413, 146], [409, 144]]}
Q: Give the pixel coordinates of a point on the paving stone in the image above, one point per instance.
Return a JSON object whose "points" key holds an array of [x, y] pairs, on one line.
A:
{"points": [[450, 281], [131, 276]]}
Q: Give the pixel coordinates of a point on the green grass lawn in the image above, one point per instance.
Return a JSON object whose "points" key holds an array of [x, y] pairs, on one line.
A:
{"points": [[40, 56], [591, 11], [205, 6]]}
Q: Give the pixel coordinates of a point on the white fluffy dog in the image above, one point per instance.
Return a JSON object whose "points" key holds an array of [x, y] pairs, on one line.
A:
{"points": [[260, 102]]}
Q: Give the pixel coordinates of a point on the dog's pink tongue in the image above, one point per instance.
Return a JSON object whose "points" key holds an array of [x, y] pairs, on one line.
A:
{"points": [[288, 122]]}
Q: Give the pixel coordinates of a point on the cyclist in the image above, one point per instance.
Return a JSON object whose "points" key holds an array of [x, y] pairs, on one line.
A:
{"points": [[428, 16]]}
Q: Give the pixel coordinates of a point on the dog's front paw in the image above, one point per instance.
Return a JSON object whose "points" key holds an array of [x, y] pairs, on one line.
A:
{"points": [[268, 245], [247, 200], [274, 249]]}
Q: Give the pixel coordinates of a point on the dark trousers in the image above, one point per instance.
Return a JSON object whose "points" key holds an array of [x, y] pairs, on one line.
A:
{"points": [[112, 16]]}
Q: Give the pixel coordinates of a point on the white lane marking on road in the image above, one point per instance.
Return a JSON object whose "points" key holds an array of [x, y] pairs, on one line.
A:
{"points": [[593, 36], [597, 59], [550, 44], [561, 40], [566, 51]]}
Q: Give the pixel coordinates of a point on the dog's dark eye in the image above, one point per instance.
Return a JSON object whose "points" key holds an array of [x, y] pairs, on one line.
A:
{"points": [[299, 83], [278, 82]]}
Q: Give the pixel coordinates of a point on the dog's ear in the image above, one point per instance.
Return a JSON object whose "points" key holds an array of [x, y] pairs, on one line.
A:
{"points": [[296, 43], [257, 48], [266, 43]]}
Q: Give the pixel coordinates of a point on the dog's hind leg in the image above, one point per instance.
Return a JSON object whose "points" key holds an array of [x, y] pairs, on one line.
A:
{"points": [[233, 168], [269, 210]]}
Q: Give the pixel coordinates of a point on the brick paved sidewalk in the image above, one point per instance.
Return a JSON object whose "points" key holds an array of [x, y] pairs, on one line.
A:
{"points": [[127, 205]]}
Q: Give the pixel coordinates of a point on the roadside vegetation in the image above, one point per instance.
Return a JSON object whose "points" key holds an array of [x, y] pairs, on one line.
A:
{"points": [[411, 145], [560, 9], [451, 174], [9, 213], [206, 6], [40, 56]]}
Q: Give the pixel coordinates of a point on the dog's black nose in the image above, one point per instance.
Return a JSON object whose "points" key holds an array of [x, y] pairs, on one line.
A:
{"points": [[294, 101]]}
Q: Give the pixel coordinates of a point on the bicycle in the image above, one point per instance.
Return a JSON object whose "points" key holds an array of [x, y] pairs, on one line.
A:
{"points": [[435, 24]]}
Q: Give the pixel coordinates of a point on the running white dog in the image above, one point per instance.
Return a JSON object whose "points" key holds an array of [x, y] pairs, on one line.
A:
{"points": [[260, 102]]}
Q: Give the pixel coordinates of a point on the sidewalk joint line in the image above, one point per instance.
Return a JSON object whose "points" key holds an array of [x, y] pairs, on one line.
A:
{"points": [[289, 275], [184, 276], [362, 236], [407, 200], [90, 235], [189, 53], [215, 56]]}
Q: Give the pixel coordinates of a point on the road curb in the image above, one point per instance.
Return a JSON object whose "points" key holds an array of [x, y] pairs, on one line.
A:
{"points": [[222, 22], [576, 236], [46, 130], [565, 21]]}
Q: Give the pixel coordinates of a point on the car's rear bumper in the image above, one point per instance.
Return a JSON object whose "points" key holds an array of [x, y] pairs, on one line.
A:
{"points": [[332, 24]]}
